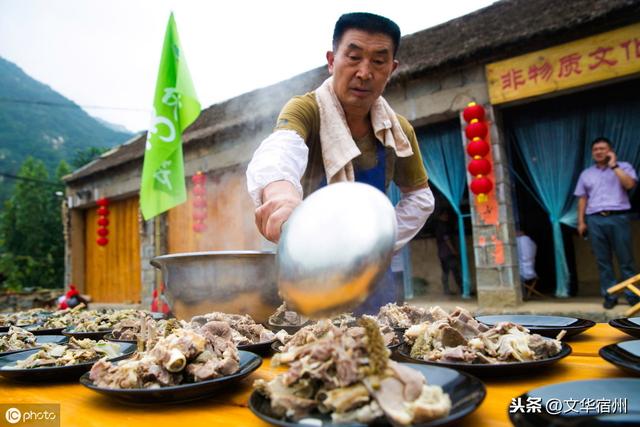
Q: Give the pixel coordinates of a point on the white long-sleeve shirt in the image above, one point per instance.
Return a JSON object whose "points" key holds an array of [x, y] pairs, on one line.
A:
{"points": [[283, 156]]}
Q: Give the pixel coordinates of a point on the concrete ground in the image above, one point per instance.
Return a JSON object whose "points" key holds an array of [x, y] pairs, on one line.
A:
{"points": [[580, 307]]}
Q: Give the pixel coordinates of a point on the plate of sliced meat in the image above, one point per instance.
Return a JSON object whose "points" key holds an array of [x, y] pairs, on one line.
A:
{"points": [[183, 391], [459, 341], [187, 364], [338, 380], [547, 326]]}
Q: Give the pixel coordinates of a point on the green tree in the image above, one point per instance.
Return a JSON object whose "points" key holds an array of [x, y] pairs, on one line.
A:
{"points": [[82, 157], [31, 230]]}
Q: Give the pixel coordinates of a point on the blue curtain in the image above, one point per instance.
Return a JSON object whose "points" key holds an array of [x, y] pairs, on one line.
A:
{"points": [[394, 194], [443, 154], [546, 144]]}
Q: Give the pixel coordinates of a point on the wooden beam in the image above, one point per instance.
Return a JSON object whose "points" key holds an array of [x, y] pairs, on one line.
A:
{"points": [[620, 286]]}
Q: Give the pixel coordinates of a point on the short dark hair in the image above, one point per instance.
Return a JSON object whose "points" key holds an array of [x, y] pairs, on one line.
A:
{"points": [[601, 139], [369, 23]]}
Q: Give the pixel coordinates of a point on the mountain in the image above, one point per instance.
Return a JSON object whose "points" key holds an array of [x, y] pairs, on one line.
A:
{"points": [[112, 126], [37, 121]]}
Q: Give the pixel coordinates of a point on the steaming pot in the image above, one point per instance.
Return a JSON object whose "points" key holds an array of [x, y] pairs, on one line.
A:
{"points": [[241, 282]]}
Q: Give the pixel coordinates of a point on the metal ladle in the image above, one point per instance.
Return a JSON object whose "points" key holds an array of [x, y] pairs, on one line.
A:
{"points": [[334, 247]]}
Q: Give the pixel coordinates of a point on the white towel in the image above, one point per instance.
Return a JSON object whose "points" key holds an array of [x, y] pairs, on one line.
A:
{"points": [[336, 141]]}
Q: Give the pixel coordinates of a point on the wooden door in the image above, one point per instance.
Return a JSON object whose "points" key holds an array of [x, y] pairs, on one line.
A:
{"points": [[113, 272]]}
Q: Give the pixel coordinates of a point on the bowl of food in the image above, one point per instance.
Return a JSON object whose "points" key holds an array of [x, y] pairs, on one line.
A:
{"points": [[226, 281]]}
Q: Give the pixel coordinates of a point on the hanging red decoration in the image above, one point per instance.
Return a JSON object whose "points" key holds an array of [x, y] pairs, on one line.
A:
{"points": [[103, 201], [199, 227], [481, 185], [478, 148], [199, 214], [199, 190], [479, 167], [476, 129], [199, 202], [103, 221], [473, 111], [103, 211]]}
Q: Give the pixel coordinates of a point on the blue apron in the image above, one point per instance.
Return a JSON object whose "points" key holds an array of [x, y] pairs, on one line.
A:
{"points": [[384, 290]]}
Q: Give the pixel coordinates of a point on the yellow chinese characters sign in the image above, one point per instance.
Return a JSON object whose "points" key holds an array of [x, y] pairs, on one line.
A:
{"points": [[601, 57]]}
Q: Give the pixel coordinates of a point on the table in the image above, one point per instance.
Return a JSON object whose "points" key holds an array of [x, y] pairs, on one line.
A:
{"points": [[83, 407]]}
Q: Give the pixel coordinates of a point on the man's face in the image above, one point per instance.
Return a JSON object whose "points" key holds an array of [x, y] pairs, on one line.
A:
{"points": [[361, 68], [600, 151]]}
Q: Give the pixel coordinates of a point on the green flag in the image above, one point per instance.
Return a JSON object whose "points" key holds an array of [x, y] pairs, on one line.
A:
{"points": [[175, 106]]}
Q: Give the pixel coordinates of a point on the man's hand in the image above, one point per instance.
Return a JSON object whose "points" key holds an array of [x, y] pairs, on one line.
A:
{"points": [[582, 228], [613, 159], [280, 198]]}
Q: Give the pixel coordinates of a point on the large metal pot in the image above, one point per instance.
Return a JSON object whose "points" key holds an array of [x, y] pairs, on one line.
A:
{"points": [[241, 282]]}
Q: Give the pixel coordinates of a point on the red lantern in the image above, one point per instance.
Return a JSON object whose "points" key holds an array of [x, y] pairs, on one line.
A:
{"points": [[481, 185], [473, 111], [199, 178], [103, 221], [199, 227], [476, 129], [200, 215], [103, 211], [199, 202], [478, 147], [479, 167], [199, 190]]}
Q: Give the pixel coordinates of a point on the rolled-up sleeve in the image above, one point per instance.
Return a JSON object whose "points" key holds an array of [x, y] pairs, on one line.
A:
{"points": [[282, 156]]}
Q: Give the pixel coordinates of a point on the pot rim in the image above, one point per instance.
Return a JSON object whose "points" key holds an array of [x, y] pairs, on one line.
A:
{"points": [[182, 255]]}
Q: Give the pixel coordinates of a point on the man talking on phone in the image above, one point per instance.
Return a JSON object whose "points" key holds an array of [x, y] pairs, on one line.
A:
{"points": [[603, 212]]}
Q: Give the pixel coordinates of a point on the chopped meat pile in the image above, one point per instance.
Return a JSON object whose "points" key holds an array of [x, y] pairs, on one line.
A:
{"points": [[402, 316], [145, 328], [244, 329], [102, 320], [285, 317], [72, 353], [59, 319], [23, 318], [352, 378], [184, 356], [458, 337], [17, 339], [311, 333]]}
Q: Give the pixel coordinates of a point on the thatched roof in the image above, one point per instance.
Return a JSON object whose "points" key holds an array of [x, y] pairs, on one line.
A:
{"points": [[504, 29]]}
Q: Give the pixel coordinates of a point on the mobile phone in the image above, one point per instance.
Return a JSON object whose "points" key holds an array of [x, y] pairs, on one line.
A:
{"points": [[608, 158]]}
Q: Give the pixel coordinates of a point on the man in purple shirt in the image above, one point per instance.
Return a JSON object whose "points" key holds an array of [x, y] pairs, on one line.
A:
{"points": [[603, 208]]}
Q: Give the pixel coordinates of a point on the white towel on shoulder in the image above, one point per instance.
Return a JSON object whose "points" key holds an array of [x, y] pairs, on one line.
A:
{"points": [[336, 141]]}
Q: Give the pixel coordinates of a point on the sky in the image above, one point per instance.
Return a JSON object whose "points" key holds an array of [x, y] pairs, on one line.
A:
{"points": [[104, 55]]}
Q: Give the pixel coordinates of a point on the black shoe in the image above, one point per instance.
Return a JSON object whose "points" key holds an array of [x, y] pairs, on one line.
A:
{"points": [[609, 303], [633, 299]]}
